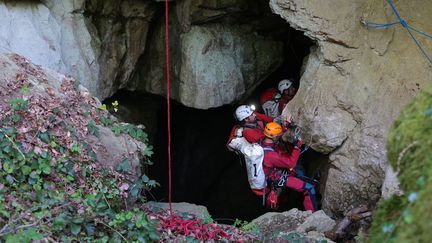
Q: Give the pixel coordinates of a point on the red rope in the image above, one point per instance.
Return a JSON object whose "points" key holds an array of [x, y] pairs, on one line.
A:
{"points": [[168, 104], [175, 223]]}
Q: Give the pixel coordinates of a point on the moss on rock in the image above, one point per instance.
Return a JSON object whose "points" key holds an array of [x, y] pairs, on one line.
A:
{"points": [[406, 219]]}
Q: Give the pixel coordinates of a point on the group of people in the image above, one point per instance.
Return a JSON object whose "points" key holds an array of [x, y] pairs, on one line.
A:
{"points": [[271, 163]]}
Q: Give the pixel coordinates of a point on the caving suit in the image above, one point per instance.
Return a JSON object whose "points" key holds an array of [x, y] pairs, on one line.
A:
{"points": [[273, 102], [253, 133], [278, 167]]}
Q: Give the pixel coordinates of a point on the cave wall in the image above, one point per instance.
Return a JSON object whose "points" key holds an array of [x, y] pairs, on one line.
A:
{"points": [[97, 42], [355, 83], [218, 55]]}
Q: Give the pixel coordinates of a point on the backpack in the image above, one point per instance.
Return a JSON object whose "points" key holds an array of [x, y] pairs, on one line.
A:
{"points": [[254, 156], [269, 101]]}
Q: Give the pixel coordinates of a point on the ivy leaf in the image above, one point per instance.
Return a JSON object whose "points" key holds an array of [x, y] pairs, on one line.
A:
{"points": [[117, 130], [53, 144], [46, 169], [106, 121], [123, 166], [8, 168], [155, 237], [153, 183], [90, 229], [147, 151], [145, 179], [26, 170], [102, 107], [44, 154], [92, 128], [135, 190], [7, 149], [75, 229], [44, 137], [16, 118], [10, 179]]}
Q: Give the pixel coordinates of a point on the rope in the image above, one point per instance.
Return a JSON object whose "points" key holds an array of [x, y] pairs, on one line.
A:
{"points": [[176, 224], [373, 25], [168, 105]]}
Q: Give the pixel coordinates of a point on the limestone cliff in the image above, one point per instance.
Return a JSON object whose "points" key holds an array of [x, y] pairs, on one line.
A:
{"points": [[354, 85]]}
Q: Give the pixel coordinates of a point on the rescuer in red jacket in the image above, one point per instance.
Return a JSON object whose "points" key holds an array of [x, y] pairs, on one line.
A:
{"points": [[273, 101], [279, 166], [253, 123]]}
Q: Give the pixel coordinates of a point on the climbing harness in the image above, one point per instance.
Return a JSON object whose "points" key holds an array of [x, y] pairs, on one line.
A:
{"points": [[373, 25]]}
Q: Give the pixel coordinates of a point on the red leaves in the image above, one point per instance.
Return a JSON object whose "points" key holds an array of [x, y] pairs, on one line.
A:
{"points": [[174, 227]]}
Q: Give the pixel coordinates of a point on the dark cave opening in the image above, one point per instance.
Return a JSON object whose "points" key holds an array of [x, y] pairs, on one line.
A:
{"points": [[204, 171]]}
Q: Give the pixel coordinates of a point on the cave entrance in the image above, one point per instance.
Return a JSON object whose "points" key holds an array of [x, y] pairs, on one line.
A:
{"points": [[204, 171]]}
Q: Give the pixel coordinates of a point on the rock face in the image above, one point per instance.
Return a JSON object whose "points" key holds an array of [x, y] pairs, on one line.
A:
{"points": [[293, 225], [97, 42], [100, 42], [354, 85], [213, 65], [182, 207]]}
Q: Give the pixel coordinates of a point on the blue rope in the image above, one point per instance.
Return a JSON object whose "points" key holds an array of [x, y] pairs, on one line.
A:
{"points": [[420, 32], [373, 25]]}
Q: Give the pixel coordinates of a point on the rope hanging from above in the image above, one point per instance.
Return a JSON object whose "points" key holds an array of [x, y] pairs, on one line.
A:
{"points": [[373, 25], [168, 102]]}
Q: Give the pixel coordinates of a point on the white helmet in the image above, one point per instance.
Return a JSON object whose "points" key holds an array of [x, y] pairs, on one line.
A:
{"points": [[242, 112], [284, 84]]}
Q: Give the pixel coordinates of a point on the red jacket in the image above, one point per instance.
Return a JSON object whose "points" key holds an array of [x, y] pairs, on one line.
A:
{"points": [[275, 157], [278, 158], [269, 94], [254, 134]]}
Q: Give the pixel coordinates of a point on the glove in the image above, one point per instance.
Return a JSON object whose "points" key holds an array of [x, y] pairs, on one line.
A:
{"points": [[297, 142]]}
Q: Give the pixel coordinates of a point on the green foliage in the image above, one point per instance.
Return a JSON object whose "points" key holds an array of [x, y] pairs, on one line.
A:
{"points": [[24, 236], [405, 219], [137, 133], [19, 104], [410, 142], [92, 128], [45, 194], [247, 227], [385, 217], [115, 105], [132, 130], [135, 226], [102, 107]]}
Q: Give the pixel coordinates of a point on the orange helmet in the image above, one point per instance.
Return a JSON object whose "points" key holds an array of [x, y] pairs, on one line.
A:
{"points": [[272, 129]]}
